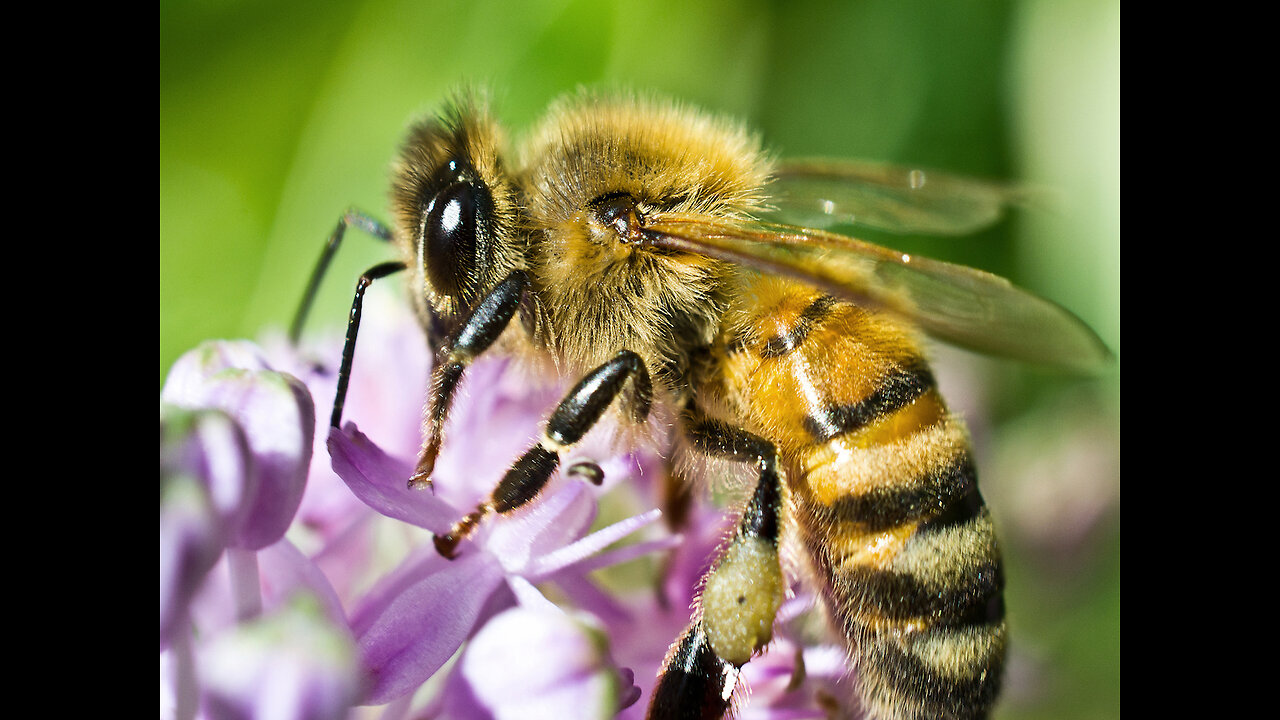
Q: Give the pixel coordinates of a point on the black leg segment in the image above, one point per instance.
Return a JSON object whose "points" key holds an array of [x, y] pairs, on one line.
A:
{"points": [[353, 218], [353, 329], [587, 401], [695, 683], [719, 439], [525, 479], [478, 331], [577, 413]]}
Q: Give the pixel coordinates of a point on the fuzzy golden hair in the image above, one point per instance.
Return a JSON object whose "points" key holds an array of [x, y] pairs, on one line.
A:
{"points": [[596, 294]]}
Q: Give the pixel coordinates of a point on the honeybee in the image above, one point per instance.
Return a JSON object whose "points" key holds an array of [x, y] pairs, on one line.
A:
{"points": [[626, 242]]}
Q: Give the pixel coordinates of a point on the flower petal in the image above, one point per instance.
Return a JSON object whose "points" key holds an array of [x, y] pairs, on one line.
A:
{"points": [[590, 598], [419, 629], [205, 486], [495, 418], [191, 540], [552, 521], [630, 691], [185, 383], [592, 544], [211, 446], [279, 420], [380, 481], [620, 555], [455, 700], [285, 571], [388, 384], [542, 663], [529, 596], [421, 564]]}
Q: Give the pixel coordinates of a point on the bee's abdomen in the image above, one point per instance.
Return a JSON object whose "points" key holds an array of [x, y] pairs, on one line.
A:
{"points": [[883, 490], [922, 602]]}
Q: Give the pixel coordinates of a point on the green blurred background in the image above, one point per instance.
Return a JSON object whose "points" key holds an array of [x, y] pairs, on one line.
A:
{"points": [[277, 116]]}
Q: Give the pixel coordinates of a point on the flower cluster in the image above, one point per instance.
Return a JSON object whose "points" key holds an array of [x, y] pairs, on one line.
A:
{"points": [[293, 588]]}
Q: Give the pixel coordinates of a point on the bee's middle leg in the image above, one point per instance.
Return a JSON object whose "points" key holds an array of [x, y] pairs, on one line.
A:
{"points": [[577, 413]]}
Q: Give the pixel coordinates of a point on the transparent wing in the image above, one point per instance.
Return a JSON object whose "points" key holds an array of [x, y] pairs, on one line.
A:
{"points": [[960, 305], [822, 193]]}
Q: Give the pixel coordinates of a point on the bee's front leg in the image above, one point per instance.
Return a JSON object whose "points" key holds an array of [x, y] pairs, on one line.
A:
{"points": [[741, 595], [576, 414], [377, 272], [478, 331], [349, 218]]}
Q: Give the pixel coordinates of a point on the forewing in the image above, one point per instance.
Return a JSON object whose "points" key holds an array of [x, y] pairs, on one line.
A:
{"points": [[960, 305], [823, 193]]}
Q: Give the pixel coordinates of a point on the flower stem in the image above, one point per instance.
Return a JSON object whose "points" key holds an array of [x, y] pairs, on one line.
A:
{"points": [[246, 588], [185, 694]]}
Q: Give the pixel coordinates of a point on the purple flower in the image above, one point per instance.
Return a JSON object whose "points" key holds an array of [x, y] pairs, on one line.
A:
{"points": [[293, 663], [388, 385], [535, 663], [294, 659], [560, 667], [235, 441], [193, 528], [263, 478], [417, 617], [235, 447]]}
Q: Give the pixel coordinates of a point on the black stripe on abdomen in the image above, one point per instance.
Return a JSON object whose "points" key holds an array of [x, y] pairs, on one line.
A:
{"points": [[944, 496], [896, 391], [896, 673], [782, 344], [898, 597], [962, 508]]}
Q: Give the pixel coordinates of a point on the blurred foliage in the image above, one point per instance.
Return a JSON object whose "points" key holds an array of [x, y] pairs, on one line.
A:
{"points": [[276, 116]]}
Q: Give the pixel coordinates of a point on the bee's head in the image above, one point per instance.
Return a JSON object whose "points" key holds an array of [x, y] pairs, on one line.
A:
{"points": [[455, 210]]}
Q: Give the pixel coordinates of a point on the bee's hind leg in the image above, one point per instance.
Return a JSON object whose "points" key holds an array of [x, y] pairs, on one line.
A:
{"points": [[576, 414], [741, 595]]}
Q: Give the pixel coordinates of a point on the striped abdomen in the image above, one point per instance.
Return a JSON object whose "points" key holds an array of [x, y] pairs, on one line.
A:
{"points": [[883, 491]]}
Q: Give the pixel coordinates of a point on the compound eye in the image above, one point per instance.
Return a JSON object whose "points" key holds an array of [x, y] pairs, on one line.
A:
{"points": [[449, 235]]}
